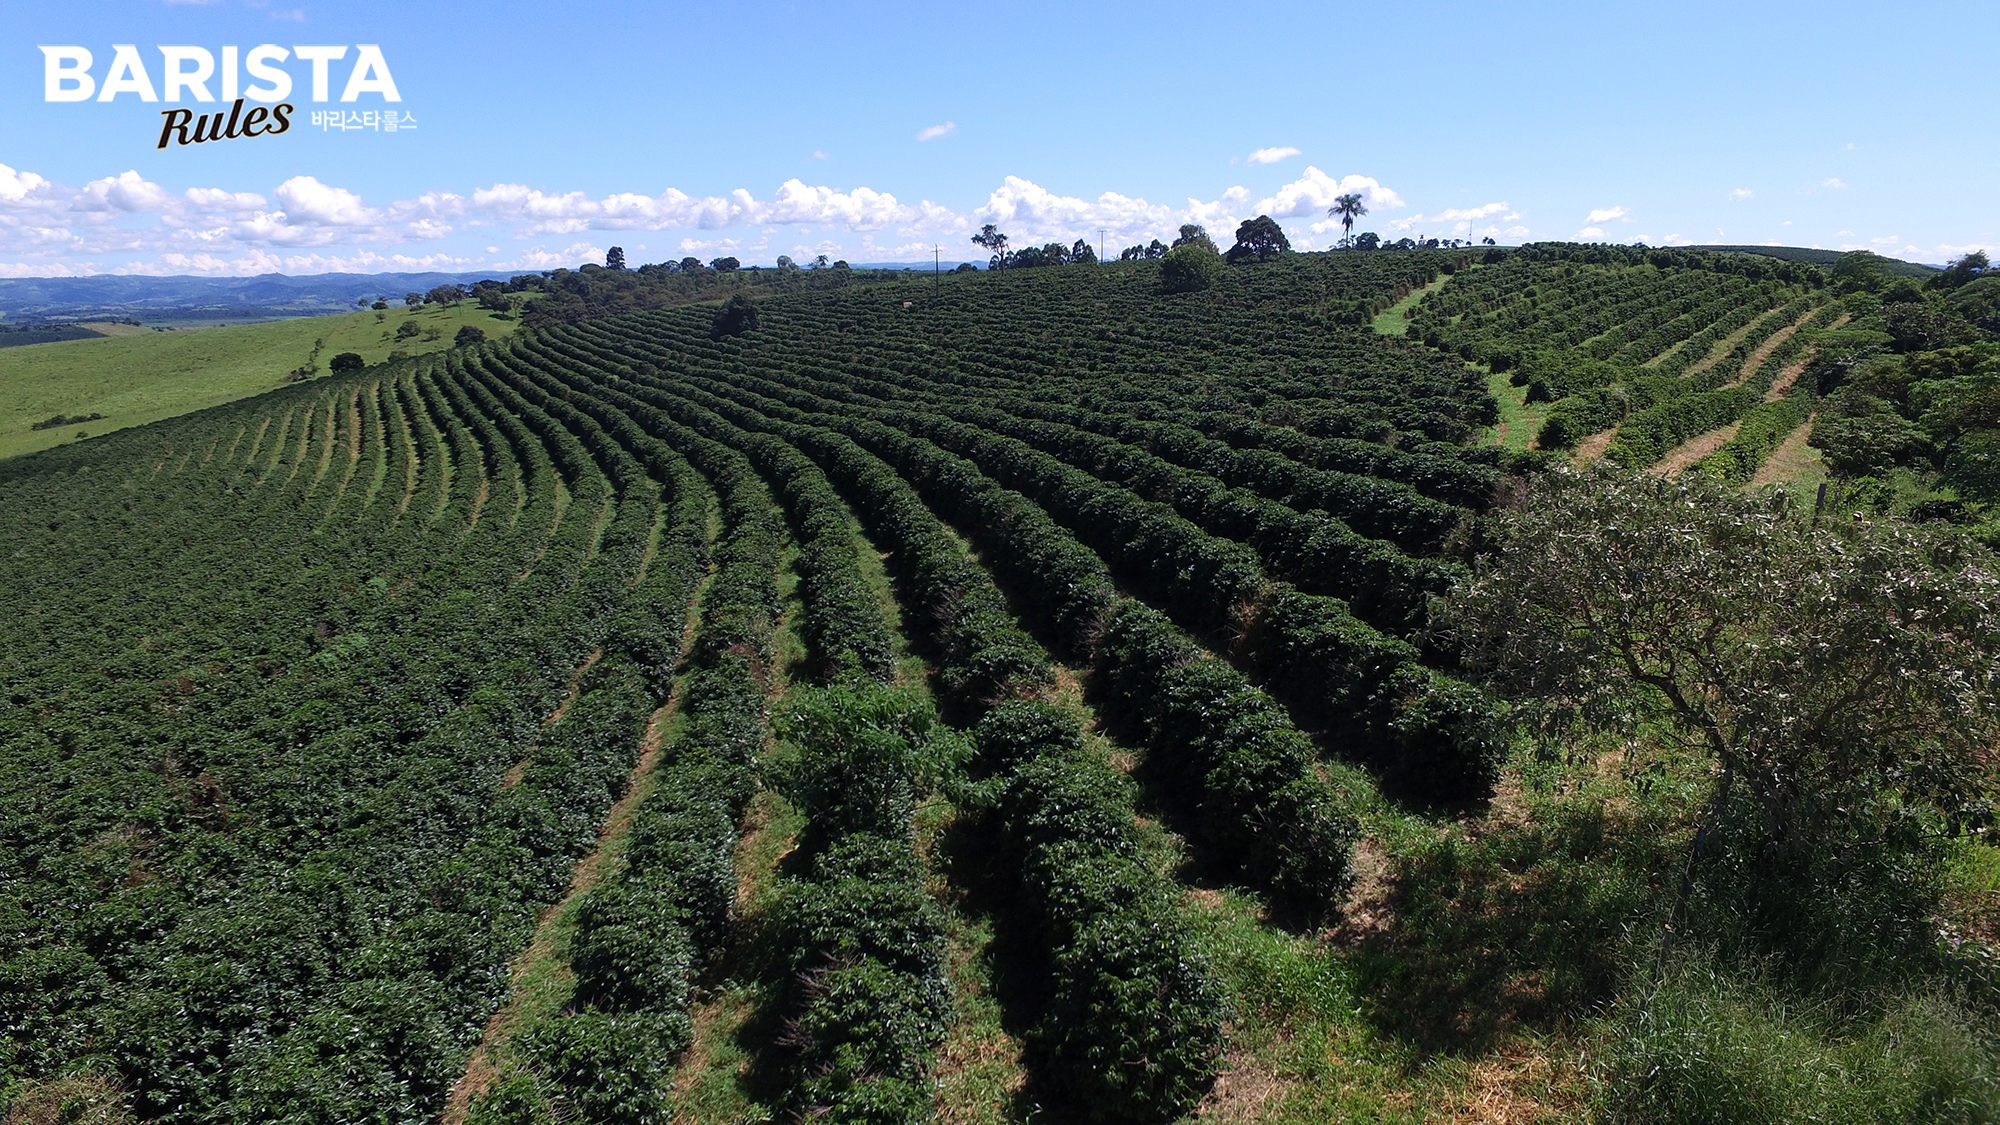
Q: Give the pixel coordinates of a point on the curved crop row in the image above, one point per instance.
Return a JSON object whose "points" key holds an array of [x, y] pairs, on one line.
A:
{"points": [[1166, 1027]]}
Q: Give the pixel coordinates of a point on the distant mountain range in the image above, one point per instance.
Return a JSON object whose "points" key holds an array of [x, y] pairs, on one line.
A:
{"points": [[270, 294]]}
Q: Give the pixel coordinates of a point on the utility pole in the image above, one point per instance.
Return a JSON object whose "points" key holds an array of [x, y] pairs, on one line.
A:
{"points": [[1100, 244]]}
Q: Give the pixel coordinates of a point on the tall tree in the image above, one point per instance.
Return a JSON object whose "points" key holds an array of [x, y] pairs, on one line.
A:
{"points": [[614, 258], [1194, 234], [1260, 238], [735, 318], [1347, 208], [1827, 669], [990, 237]]}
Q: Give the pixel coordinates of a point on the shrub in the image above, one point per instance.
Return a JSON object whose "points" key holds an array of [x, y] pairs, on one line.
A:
{"points": [[1134, 1021], [345, 362], [630, 951], [1868, 444], [612, 1067], [1189, 268]]}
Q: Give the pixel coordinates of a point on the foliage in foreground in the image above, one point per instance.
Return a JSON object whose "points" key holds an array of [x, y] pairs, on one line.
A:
{"points": [[1835, 671], [1712, 1046]]}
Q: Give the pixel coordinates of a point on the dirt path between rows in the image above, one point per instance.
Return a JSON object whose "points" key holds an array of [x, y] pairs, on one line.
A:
{"points": [[1791, 374], [1683, 456], [1786, 461], [1771, 344], [483, 1065], [1724, 346], [1593, 447]]}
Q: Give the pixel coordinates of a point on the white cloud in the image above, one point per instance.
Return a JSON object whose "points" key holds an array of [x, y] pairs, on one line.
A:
{"points": [[1944, 252], [861, 209], [1456, 214], [127, 223], [1605, 215], [216, 199], [796, 203], [307, 200], [1742, 194], [45, 269], [1271, 155], [1030, 211], [1833, 183], [1314, 192], [1887, 240], [820, 154], [1462, 222], [16, 187], [126, 192], [933, 132], [263, 261], [569, 257], [1031, 214]]}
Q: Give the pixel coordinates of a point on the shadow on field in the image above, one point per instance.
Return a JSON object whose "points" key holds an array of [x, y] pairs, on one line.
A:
{"points": [[1518, 924], [984, 886]]}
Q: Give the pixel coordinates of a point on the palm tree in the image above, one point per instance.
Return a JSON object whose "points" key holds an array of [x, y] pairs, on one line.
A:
{"points": [[1348, 208]]}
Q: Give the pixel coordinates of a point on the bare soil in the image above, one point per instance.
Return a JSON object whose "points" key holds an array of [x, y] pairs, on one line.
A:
{"points": [[1593, 447], [1683, 456]]}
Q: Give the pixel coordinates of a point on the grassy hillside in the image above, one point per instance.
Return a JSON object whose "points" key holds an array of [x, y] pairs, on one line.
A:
{"points": [[137, 378], [1045, 697]]}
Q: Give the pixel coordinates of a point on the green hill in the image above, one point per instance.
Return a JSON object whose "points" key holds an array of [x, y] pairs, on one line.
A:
{"points": [[145, 376], [1057, 695], [1816, 257]]}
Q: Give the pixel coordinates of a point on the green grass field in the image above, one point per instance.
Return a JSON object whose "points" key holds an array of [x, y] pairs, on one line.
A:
{"points": [[143, 376]]}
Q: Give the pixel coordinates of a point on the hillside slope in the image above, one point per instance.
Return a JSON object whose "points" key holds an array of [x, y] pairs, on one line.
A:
{"points": [[146, 376]]}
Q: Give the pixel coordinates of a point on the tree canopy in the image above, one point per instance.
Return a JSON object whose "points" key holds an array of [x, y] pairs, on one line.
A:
{"points": [[993, 240], [1826, 667], [1194, 234], [735, 318], [1189, 268], [1260, 238], [1347, 208]]}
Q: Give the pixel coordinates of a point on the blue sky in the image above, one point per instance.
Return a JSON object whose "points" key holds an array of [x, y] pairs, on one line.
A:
{"points": [[872, 131]]}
